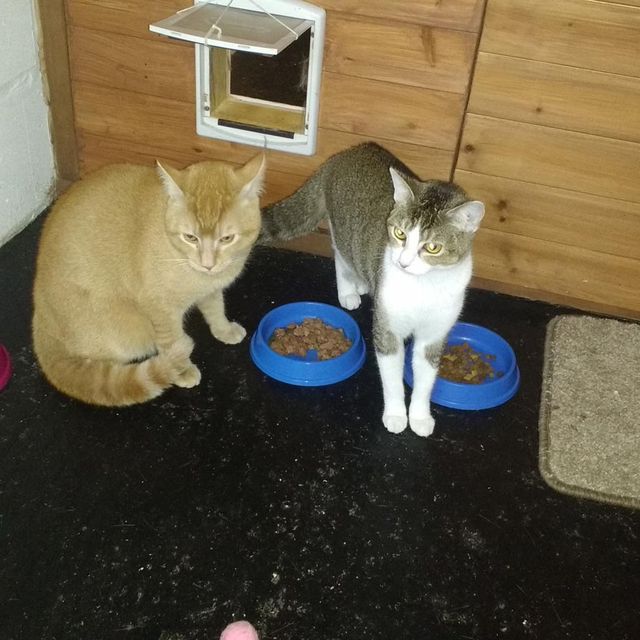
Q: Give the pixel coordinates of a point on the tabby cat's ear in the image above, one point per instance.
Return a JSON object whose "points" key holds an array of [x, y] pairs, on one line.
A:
{"points": [[251, 176], [170, 178], [402, 193], [467, 216]]}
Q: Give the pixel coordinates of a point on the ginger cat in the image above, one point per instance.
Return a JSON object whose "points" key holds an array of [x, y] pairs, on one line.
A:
{"points": [[123, 255]]}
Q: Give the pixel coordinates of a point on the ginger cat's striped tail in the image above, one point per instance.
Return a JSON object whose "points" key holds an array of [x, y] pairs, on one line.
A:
{"points": [[110, 383]]}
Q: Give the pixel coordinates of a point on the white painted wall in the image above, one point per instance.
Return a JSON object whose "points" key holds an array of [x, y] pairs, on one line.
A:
{"points": [[27, 170]]}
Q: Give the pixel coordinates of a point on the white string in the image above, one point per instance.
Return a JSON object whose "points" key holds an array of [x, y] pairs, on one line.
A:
{"points": [[274, 17], [215, 27]]}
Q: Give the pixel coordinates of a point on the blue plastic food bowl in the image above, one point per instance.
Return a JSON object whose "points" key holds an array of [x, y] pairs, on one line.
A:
{"points": [[307, 371], [491, 393]]}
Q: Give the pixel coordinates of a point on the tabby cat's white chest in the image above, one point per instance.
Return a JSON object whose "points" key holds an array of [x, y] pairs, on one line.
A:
{"points": [[425, 305]]}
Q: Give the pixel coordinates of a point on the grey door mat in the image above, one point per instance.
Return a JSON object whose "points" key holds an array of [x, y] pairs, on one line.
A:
{"points": [[590, 409]]}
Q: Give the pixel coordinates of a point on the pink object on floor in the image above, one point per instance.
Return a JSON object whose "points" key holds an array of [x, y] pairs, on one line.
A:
{"points": [[5, 367], [241, 630]]}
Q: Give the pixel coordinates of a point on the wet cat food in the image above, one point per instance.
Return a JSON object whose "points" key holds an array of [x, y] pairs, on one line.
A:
{"points": [[311, 334], [461, 363]]}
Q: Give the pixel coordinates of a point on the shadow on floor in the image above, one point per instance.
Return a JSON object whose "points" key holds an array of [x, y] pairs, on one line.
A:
{"points": [[293, 507]]}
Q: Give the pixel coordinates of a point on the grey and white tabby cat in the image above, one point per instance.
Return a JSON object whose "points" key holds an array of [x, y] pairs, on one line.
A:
{"points": [[405, 241]]}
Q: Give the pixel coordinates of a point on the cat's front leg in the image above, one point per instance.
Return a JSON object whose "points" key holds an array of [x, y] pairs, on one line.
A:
{"points": [[426, 358], [172, 342], [390, 357], [212, 308]]}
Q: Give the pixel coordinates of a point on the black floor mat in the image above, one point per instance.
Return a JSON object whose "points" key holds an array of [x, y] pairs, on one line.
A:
{"points": [[293, 507]]}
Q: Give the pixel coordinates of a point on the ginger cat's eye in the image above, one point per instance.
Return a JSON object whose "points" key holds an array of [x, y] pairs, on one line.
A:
{"points": [[433, 248], [227, 239], [190, 238], [399, 233]]}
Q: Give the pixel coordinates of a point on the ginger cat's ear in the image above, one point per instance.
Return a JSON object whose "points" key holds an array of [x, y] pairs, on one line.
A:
{"points": [[171, 179], [251, 176]]}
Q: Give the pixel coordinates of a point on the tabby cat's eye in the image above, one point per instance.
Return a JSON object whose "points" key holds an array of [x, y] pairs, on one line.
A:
{"points": [[189, 237], [433, 248], [399, 233], [227, 239]]}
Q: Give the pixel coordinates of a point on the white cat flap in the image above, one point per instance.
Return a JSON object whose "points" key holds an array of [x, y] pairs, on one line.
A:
{"points": [[258, 69]]}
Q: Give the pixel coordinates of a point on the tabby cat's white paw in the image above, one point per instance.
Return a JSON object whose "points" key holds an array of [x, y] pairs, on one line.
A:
{"points": [[349, 301], [188, 378], [394, 424], [422, 426], [231, 334]]}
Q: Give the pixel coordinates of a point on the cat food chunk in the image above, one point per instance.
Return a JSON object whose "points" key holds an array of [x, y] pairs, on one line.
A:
{"points": [[461, 363], [310, 334]]}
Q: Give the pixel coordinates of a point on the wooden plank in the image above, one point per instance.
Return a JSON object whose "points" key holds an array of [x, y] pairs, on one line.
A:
{"points": [[557, 215], [593, 35], [454, 14], [415, 55], [98, 152], [121, 16], [552, 157], [558, 96], [540, 265], [401, 113], [161, 67], [167, 124], [58, 85]]}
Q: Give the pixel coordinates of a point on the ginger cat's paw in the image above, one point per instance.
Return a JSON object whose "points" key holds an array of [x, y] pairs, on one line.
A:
{"points": [[422, 425], [394, 423], [188, 378], [231, 334]]}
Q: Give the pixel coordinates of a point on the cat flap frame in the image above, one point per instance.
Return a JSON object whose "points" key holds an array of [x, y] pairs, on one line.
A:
{"points": [[231, 34]]}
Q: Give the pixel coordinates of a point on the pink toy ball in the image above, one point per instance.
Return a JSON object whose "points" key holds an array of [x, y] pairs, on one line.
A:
{"points": [[5, 367], [241, 630]]}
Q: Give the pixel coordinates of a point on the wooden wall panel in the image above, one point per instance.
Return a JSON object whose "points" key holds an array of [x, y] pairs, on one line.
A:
{"points": [[557, 96], [415, 55], [586, 278], [121, 16], [101, 151], [158, 67], [589, 34], [395, 112], [454, 14], [551, 143], [556, 215], [125, 16], [551, 157], [135, 86], [355, 105]]}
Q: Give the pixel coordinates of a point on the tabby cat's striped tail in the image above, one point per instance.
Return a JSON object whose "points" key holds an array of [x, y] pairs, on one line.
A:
{"points": [[294, 216]]}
